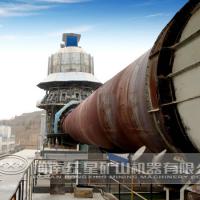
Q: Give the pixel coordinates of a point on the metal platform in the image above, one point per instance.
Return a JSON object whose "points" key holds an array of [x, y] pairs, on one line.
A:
{"points": [[96, 196], [9, 183]]}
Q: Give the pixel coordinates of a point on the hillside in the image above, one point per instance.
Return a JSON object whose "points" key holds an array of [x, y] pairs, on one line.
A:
{"points": [[26, 128]]}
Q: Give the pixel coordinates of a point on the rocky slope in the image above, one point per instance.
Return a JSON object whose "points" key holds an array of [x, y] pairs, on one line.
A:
{"points": [[26, 128]]}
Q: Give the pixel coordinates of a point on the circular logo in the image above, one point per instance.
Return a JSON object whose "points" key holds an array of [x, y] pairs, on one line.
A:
{"points": [[12, 164]]}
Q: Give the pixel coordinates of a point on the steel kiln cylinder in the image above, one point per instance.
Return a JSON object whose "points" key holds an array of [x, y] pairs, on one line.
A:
{"points": [[155, 101]]}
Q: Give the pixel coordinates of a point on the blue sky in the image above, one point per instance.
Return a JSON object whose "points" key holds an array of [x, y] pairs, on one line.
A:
{"points": [[115, 32]]}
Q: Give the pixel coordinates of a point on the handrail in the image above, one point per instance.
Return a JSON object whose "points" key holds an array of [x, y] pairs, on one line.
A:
{"points": [[137, 194], [28, 188]]}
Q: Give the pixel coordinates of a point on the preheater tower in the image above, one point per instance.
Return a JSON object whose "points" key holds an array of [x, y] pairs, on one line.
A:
{"points": [[70, 80]]}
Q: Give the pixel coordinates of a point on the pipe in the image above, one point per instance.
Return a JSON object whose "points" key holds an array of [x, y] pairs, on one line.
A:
{"points": [[133, 108]]}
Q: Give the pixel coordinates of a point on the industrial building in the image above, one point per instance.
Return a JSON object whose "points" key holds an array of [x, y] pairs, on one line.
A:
{"points": [[70, 80]]}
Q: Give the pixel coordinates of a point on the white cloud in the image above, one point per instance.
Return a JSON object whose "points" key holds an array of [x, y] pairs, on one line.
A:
{"points": [[15, 9], [76, 29], [27, 7], [153, 15], [7, 37], [156, 15]]}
